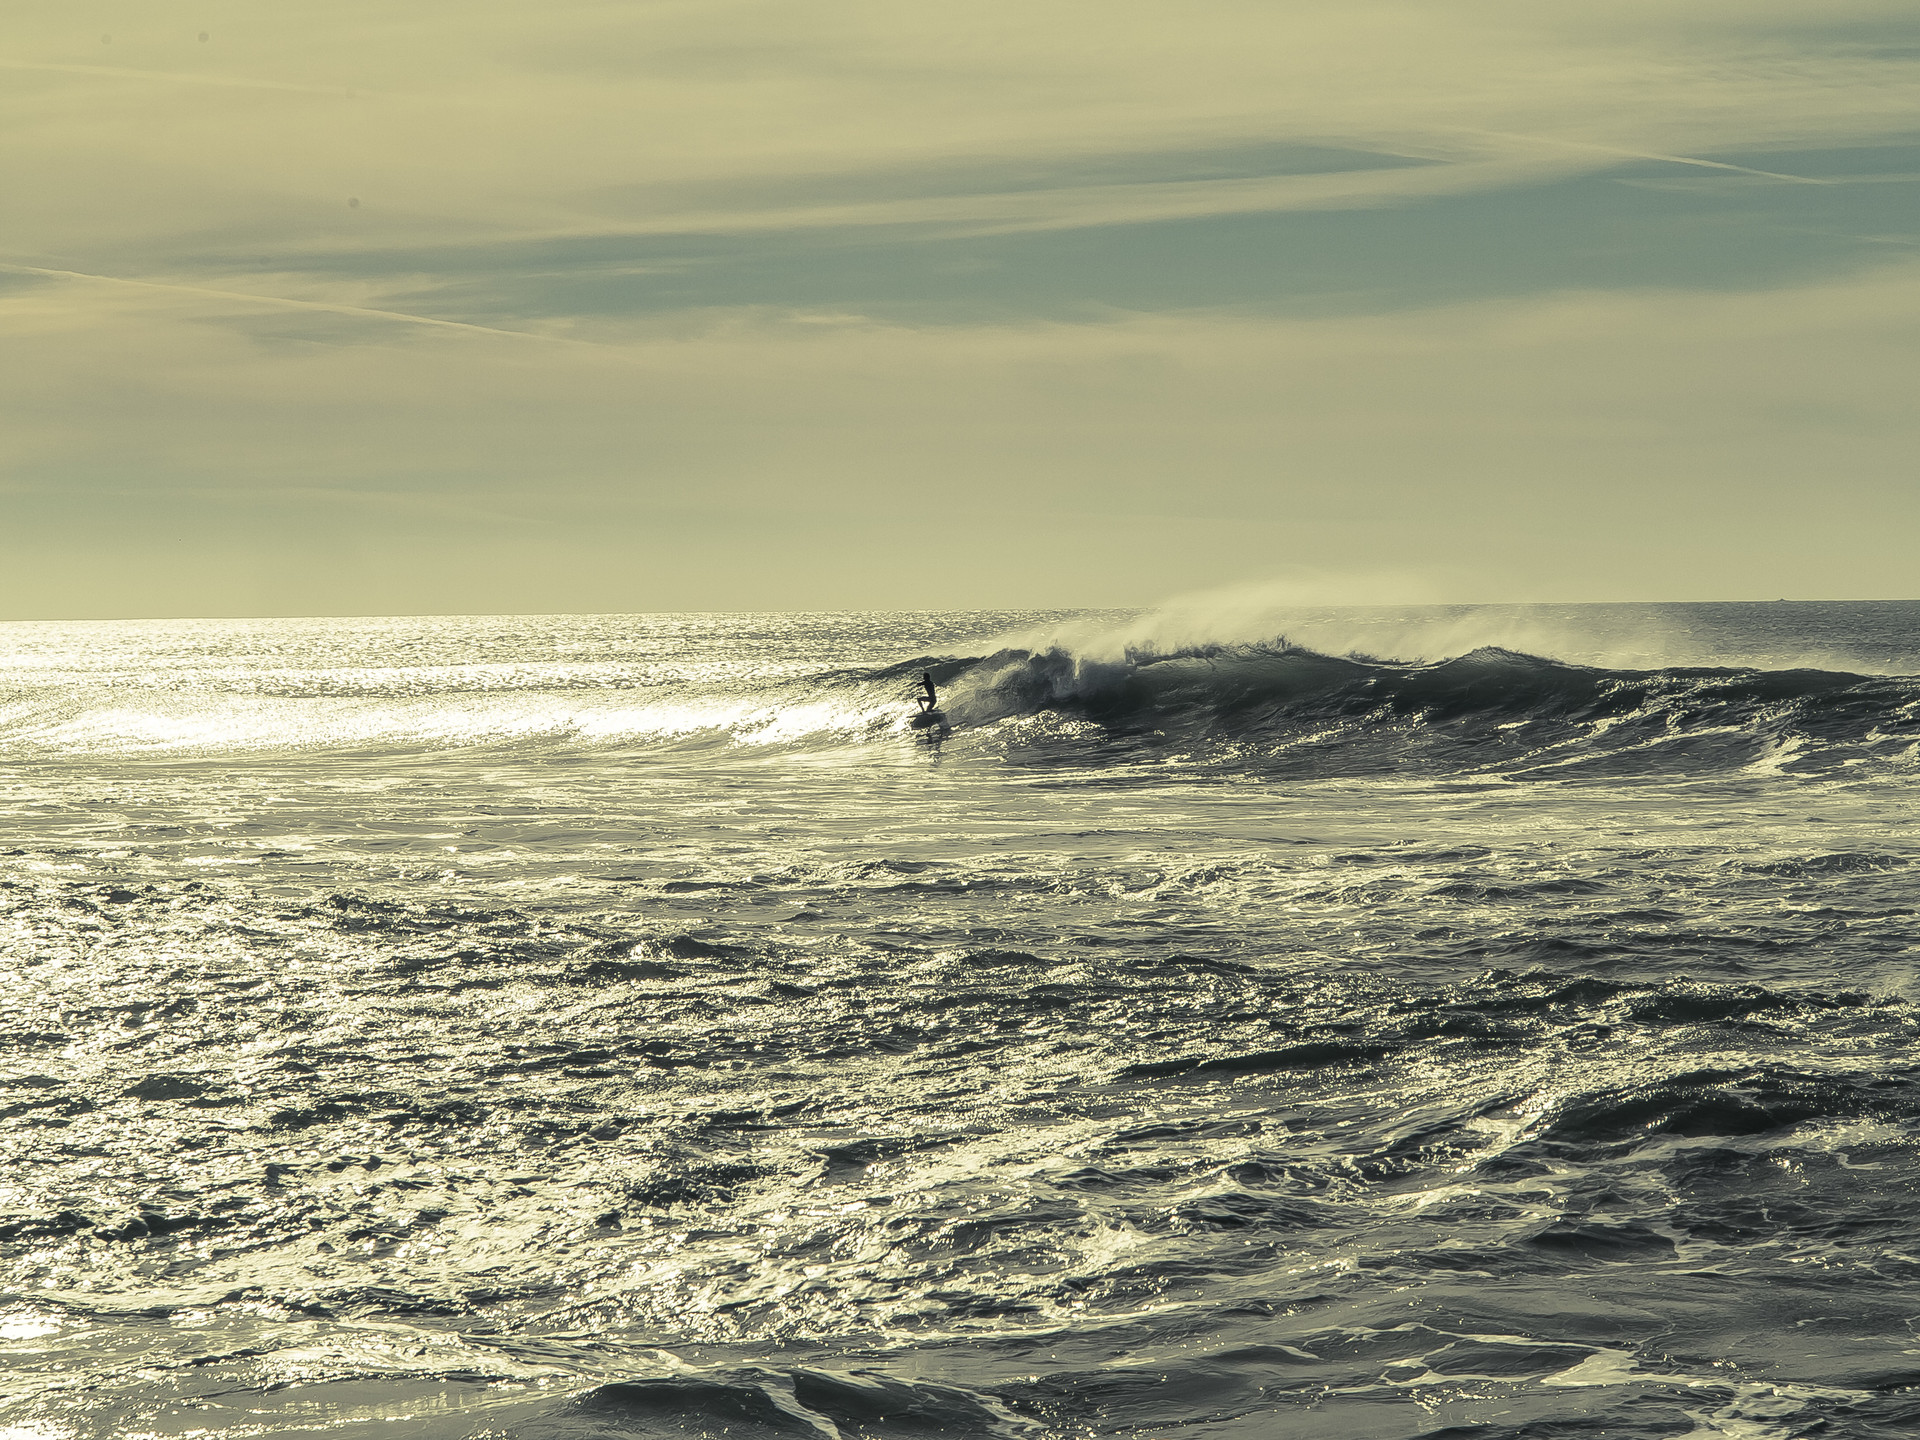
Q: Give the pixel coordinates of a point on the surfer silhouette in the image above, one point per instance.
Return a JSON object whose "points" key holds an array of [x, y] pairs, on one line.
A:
{"points": [[932, 698]]}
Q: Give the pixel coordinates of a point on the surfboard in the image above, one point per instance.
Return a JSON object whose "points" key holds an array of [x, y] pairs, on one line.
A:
{"points": [[929, 720]]}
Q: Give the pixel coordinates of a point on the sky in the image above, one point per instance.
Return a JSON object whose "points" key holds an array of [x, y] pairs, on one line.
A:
{"points": [[466, 306]]}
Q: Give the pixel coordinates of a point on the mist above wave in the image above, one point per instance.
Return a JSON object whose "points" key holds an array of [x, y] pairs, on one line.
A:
{"points": [[1861, 637]]}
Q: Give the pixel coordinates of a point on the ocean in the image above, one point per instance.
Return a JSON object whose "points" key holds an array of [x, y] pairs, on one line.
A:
{"points": [[1371, 1023]]}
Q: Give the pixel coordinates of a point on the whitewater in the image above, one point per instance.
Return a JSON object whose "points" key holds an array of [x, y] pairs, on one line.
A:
{"points": [[1243, 1022]]}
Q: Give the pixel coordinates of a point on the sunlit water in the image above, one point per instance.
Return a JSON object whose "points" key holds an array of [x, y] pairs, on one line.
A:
{"points": [[631, 1026]]}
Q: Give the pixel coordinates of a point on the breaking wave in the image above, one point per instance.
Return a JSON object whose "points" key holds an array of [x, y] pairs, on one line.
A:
{"points": [[1489, 707], [1270, 706]]}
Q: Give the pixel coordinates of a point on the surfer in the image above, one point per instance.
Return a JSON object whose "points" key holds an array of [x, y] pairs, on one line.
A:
{"points": [[931, 699]]}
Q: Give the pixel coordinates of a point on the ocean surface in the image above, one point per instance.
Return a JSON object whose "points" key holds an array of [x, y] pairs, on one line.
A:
{"points": [[1490, 1022]]}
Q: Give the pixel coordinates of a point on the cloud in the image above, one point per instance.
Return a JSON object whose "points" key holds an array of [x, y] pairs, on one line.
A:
{"points": [[1578, 445]]}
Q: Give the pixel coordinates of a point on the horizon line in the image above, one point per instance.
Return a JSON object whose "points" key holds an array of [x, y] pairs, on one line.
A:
{"points": [[935, 610]]}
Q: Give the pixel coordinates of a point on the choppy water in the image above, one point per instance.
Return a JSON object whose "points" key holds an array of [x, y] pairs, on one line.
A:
{"points": [[1441, 1022]]}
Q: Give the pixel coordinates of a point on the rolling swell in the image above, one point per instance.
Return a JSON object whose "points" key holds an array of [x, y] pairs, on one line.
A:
{"points": [[1272, 707]]}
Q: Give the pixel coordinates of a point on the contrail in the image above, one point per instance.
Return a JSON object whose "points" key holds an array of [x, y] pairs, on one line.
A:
{"points": [[1628, 154], [326, 306]]}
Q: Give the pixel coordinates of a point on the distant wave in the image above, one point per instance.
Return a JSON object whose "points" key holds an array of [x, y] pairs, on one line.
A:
{"points": [[1272, 706]]}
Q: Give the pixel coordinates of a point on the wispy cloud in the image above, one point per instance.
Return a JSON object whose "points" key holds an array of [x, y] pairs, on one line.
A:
{"points": [[482, 115], [1144, 202]]}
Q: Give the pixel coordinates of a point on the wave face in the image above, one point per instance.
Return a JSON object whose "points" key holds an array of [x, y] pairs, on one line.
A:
{"points": [[1102, 695], [1306, 713]]}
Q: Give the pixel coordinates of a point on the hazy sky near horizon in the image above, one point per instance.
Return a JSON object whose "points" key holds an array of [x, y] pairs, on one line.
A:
{"points": [[590, 306]]}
